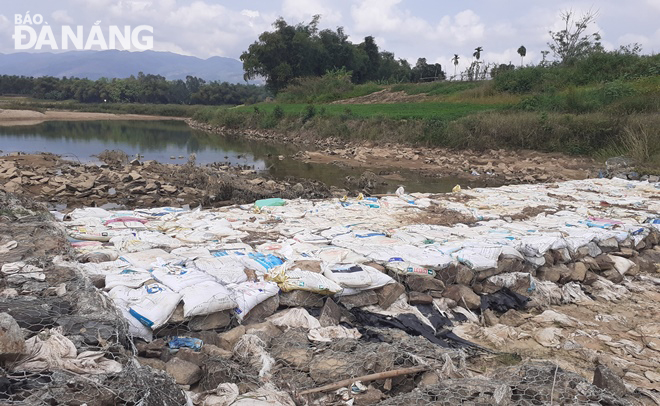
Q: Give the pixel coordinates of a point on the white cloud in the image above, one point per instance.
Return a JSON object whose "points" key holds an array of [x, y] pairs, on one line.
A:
{"points": [[250, 13], [303, 10], [62, 17], [464, 27]]}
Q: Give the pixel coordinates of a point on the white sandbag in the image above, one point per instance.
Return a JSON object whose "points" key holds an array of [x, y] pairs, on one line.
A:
{"points": [[249, 294], [347, 275], [145, 259], [178, 278], [261, 263], [135, 328], [621, 264], [88, 212], [156, 305], [226, 269], [296, 279], [206, 298], [338, 255], [401, 267], [192, 252], [479, 258], [123, 295], [294, 317], [131, 278]]}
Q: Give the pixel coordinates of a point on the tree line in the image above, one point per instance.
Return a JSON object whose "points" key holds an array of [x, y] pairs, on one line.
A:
{"points": [[302, 50], [145, 88]]}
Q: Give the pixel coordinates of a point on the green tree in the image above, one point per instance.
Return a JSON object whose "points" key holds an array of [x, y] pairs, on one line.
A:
{"points": [[522, 51], [573, 43]]}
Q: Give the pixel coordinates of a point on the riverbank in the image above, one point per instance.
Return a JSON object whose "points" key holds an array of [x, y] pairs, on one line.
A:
{"points": [[119, 183], [10, 117], [489, 167]]}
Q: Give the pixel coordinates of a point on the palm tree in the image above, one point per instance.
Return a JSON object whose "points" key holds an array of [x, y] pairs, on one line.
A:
{"points": [[477, 52], [477, 55], [522, 51], [455, 60]]}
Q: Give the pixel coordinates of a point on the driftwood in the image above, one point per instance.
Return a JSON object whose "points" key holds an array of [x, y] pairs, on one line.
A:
{"points": [[367, 378]]}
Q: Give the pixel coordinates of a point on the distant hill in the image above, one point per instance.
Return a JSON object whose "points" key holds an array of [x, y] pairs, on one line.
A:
{"points": [[120, 64]]}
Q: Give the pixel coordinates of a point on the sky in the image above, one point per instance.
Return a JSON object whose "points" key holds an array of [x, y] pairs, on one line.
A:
{"points": [[411, 29]]}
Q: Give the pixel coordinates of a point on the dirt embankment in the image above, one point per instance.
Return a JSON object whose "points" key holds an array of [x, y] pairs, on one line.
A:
{"points": [[31, 117], [489, 168]]}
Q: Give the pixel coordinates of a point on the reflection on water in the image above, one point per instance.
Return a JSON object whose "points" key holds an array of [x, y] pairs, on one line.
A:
{"points": [[162, 140]]}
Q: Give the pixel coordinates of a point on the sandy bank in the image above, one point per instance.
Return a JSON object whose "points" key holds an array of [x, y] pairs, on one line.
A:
{"points": [[31, 117]]}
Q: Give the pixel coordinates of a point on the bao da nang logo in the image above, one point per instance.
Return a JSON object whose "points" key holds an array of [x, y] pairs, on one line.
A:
{"points": [[32, 32]]}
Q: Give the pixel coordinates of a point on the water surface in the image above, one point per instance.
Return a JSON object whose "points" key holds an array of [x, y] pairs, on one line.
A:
{"points": [[173, 141]]}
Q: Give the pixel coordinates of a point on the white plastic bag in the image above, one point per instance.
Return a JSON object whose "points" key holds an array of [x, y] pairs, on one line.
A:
{"points": [[156, 305], [249, 294], [226, 269], [347, 275], [132, 278], [206, 298]]}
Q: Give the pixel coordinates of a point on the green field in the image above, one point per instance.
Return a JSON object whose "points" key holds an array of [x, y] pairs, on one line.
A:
{"points": [[427, 110]]}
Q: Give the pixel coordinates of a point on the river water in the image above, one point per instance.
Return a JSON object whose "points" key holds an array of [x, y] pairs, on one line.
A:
{"points": [[173, 141]]}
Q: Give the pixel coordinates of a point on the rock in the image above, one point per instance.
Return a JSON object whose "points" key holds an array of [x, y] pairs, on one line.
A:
{"points": [[210, 321], [213, 351], [605, 379], [264, 309], [196, 357], [463, 296], [229, 338], [429, 378], [604, 262], [577, 272], [12, 343], [371, 396], [512, 318], [589, 250], [609, 245], [389, 293], [292, 348], [644, 264], [553, 274], [419, 298], [590, 278], [266, 331], [330, 366], [154, 363], [490, 318], [364, 298], [301, 298], [561, 256], [636, 379], [208, 337], [330, 313], [652, 376], [134, 175], [612, 275], [421, 283], [167, 188], [152, 349], [183, 372], [591, 264]]}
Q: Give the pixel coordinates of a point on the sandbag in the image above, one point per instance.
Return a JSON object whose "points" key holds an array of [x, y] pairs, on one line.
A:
{"points": [[132, 278], [145, 259], [347, 275], [249, 294], [206, 298], [177, 277], [225, 269], [155, 306], [296, 279]]}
